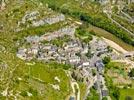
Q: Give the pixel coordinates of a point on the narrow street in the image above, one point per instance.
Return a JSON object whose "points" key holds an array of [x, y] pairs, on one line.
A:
{"points": [[99, 84]]}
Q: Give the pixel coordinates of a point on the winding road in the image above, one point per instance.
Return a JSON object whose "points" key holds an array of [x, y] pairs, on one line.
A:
{"points": [[73, 84]]}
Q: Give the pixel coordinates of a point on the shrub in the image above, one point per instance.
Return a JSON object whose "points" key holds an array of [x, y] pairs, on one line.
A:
{"points": [[106, 60]]}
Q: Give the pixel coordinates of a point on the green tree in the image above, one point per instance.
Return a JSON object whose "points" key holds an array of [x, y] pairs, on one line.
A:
{"points": [[89, 54], [109, 49], [23, 93], [116, 93], [106, 60], [104, 98], [115, 9], [93, 72], [131, 6], [131, 74]]}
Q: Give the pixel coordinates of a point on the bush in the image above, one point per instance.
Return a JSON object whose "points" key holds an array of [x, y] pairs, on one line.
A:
{"points": [[82, 34], [33, 91], [89, 54], [104, 98], [128, 98], [23, 93], [93, 72], [106, 60], [115, 93], [131, 74]]}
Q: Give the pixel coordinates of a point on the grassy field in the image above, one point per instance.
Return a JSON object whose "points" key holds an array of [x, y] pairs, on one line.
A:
{"points": [[118, 73], [117, 80], [46, 74], [30, 76], [126, 92]]}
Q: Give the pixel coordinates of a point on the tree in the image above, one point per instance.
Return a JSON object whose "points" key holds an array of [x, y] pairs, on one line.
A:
{"points": [[115, 9], [131, 6], [100, 21], [34, 92], [128, 98], [78, 54], [92, 32], [65, 11], [131, 74], [104, 98], [106, 60], [73, 74], [109, 49], [89, 54], [23, 93], [93, 72], [116, 93]]}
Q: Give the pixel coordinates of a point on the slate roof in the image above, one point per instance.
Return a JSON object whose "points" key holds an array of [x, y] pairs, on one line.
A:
{"points": [[104, 92]]}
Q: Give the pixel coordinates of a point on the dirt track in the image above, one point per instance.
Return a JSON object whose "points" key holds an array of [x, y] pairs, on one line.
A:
{"points": [[115, 46]]}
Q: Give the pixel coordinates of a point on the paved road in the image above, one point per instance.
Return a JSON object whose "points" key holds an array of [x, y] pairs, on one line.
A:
{"points": [[73, 84]]}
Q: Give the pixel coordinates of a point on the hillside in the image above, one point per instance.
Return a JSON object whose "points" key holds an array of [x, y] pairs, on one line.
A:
{"points": [[62, 50]]}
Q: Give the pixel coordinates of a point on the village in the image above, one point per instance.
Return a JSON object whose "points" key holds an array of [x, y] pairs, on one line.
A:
{"points": [[52, 52], [85, 58]]}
